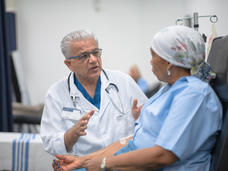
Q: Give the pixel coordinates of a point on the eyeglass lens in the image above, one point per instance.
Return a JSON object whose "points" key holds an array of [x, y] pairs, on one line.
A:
{"points": [[86, 55]]}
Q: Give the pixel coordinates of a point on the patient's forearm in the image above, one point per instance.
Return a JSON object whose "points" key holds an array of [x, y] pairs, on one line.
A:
{"points": [[109, 150], [153, 158]]}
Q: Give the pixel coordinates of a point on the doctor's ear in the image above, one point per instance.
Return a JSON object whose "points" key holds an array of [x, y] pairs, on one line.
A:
{"points": [[68, 63]]}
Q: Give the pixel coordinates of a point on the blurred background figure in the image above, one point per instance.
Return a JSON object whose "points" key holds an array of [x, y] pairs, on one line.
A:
{"points": [[148, 89], [136, 75]]}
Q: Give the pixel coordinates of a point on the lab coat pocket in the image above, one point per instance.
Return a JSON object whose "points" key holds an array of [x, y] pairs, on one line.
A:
{"points": [[74, 115], [125, 123], [121, 116]]}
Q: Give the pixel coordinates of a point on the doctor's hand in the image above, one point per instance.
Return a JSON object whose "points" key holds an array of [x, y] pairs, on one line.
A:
{"points": [[72, 135], [136, 109], [81, 125]]}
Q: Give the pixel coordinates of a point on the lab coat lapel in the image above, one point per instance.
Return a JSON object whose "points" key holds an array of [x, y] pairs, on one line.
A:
{"points": [[73, 89], [81, 100], [104, 96]]}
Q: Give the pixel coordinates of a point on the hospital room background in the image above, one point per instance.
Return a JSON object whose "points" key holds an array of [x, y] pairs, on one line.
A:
{"points": [[124, 29]]}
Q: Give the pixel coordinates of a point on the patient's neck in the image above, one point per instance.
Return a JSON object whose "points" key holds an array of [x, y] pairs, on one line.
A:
{"points": [[177, 73]]}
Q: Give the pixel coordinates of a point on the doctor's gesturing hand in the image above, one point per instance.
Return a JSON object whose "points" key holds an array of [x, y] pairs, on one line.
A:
{"points": [[136, 109], [72, 135]]}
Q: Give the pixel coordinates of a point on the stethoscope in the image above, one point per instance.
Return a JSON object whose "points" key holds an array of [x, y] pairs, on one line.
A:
{"points": [[109, 90]]}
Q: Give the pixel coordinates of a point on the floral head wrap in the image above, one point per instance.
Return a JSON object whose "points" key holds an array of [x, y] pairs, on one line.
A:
{"points": [[184, 47]]}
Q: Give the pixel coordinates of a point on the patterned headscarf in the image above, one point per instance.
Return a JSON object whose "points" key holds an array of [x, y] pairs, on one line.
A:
{"points": [[184, 47]]}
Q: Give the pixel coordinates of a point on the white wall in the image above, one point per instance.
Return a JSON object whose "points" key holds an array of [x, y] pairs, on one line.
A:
{"points": [[124, 29]]}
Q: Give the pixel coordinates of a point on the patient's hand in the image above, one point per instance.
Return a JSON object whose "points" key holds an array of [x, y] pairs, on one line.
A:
{"points": [[136, 109], [69, 162]]}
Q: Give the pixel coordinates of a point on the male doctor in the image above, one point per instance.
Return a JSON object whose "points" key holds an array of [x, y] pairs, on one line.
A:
{"points": [[92, 107]]}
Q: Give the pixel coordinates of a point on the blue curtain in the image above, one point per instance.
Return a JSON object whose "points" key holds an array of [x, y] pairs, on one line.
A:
{"points": [[6, 119]]}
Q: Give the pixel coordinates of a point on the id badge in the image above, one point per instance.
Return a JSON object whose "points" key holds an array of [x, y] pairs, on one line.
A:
{"points": [[71, 114]]}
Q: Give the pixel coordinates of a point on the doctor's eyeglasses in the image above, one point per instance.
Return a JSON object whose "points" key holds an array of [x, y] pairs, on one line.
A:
{"points": [[86, 55]]}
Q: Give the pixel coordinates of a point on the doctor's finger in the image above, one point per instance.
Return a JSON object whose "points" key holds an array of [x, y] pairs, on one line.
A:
{"points": [[83, 123], [90, 113], [82, 132], [82, 128], [135, 103], [140, 107]]}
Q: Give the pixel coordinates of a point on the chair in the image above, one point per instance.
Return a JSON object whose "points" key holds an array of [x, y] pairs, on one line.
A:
{"points": [[218, 59], [27, 116]]}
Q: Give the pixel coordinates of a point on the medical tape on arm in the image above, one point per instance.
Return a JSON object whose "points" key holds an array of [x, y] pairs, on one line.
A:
{"points": [[124, 140]]}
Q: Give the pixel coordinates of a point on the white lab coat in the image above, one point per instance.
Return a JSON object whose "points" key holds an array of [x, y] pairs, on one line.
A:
{"points": [[106, 126]]}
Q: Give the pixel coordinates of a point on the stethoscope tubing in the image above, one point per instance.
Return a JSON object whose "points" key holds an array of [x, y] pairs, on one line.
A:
{"points": [[68, 80], [73, 98]]}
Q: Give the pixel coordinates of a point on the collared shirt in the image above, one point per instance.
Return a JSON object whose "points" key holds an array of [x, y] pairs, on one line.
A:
{"points": [[97, 96], [183, 118]]}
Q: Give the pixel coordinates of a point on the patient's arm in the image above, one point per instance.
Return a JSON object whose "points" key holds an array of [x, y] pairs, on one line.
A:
{"points": [[111, 149], [69, 162], [155, 157], [145, 159]]}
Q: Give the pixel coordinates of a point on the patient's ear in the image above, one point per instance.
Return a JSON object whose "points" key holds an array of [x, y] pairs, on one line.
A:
{"points": [[169, 67]]}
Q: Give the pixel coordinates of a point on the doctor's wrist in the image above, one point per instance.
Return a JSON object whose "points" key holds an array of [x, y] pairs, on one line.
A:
{"points": [[70, 139]]}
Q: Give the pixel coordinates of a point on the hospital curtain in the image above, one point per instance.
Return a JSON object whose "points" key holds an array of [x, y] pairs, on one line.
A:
{"points": [[6, 120]]}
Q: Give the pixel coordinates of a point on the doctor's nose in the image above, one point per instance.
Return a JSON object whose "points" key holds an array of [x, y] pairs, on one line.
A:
{"points": [[92, 58]]}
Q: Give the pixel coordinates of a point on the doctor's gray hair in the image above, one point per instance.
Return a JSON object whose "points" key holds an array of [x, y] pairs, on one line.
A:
{"points": [[75, 36]]}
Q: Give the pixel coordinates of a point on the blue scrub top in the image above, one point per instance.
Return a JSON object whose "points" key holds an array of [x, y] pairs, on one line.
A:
{"points": [[97, 97], [183, 118]]}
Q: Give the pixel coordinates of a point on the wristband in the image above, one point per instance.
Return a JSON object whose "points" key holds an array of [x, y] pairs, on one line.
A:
{"points": [[103, 163]]}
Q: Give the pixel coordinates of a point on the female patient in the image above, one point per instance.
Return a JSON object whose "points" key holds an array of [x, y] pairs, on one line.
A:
{"points": [[177, 127]]}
